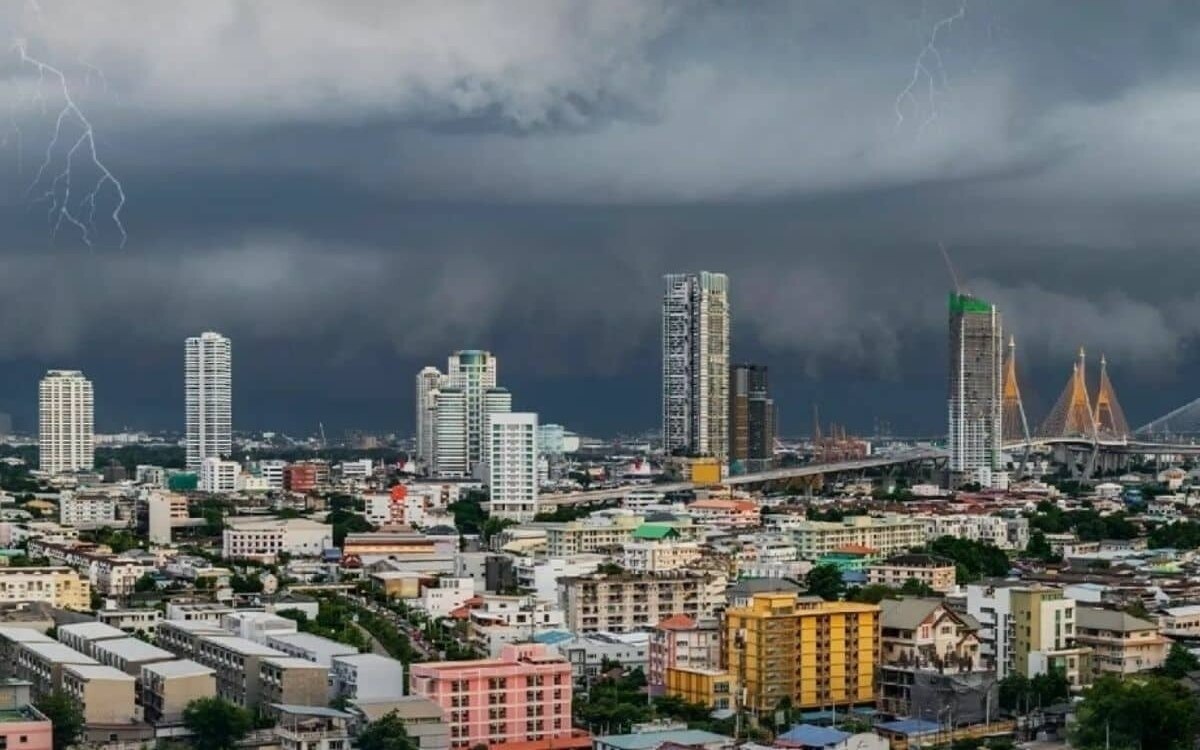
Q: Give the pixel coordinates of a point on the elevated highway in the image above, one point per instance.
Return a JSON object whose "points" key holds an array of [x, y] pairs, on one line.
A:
{"points": [[774, 475]]}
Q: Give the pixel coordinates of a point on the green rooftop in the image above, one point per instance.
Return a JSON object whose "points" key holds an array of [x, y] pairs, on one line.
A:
{"points": [[654, 531], [965, 303]]}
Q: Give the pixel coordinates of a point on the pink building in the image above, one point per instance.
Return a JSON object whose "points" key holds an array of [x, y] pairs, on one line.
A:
{"points": [[22, 727], [519, 701], [679, 641], [727, 514]]}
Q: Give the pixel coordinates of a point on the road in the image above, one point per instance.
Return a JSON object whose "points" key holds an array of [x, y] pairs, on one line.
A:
{"points": [[415, 637]]}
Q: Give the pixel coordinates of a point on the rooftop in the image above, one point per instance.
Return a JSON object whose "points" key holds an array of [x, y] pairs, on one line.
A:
{"points": [[810, 735], [133, 649], [243, 646], [93, 630], [651, 740], [177, 668], [97, 672]]}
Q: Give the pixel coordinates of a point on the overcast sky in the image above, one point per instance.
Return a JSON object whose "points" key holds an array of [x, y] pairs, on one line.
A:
{"points": [[351, 191]]}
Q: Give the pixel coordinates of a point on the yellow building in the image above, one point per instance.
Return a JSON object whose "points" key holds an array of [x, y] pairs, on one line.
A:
{"points": [[705, 471], [714, 688], [815, 653]]}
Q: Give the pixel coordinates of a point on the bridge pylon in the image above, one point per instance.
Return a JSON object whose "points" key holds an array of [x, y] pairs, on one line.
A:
{"points": [[1072, 415], [1109, 416]]}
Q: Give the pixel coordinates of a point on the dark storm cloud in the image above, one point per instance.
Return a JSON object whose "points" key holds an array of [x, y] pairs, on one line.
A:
{"points": [[414, 177]]}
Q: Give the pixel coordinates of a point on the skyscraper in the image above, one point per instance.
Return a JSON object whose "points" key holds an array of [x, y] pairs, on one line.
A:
{"points": [[429, 380], [976, 389], [512, 460], [695, 341], [66, 422], [208, 386], [751, 418]]}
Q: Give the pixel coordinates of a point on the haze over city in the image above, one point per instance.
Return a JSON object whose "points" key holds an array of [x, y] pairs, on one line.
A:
{"points": [[347, 205]]}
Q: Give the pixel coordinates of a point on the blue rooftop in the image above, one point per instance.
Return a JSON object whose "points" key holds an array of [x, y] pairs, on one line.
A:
{"points": [[909, 726], [808, 735]]}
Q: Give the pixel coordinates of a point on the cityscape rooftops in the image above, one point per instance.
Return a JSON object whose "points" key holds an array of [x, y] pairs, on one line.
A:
{"points": [[177, 668]]}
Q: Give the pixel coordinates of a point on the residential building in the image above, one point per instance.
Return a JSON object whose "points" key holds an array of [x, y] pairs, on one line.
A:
{"points": [[58, 586], [1027, 630], [130, 620], [237, 663], [625, 602], [539, 576], [103, 694], [169, 686], [938, 573], [208, 386], [303, 727], [22, 726], [888, 534], [496, 401], [599, 531], [423, 719], [713, 688], [500, 620], [590, 654], [164, 511], [1180, 622], [301, 477], [182, 637], [815, 653], [695, 398], [975, 390], [512, 461], [11, 638], [129, 654], [429, 380], [450, 458], [257, 626], [1121, 644], [368, 677], [751, 419], [522, 697], [116, 575], [659, 556], [82, 636], [999, 531], [272, 473], [448, 594], [148, 475], [89, 510], [66, 423], [931, 661], [42, 663], [251, 537], [681, 642], [218, 475], [294, 681], [725, 514], [311, 647]]}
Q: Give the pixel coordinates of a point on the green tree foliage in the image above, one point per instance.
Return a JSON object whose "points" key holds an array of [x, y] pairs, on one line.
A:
{"points": [[567, 513], [973, 560], [144, 584], [1018, 693], [121, 540], [1038, 548], [1179, 662], [913, 587], [335, 620], [386, 733], [1086, 523], [346, 522], [65, 716], [872, 593], [1184, 535], [468, 512], [826, 582], [1149, 712], [246, 584], [215, 723]]}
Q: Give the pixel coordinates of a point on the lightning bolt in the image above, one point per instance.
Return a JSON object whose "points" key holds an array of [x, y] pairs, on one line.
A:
{"points": [[58, 191], [922, 71]]}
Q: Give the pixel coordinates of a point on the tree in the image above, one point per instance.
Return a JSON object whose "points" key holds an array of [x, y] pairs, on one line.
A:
{"points": [[1179, 662], [913, 587], [144, 584], [1038, 547], [215, 723], [65, 716], [872, 593], [826, 582], [1142, 712], [386, 733], [973, 560]]}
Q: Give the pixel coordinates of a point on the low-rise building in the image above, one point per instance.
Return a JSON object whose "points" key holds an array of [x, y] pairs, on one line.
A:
{"points": [[310, 647], [169, 686], [289, 680], [57, 586], [423, 719], [88, 510], [103, 694], [726, 514], [257, 626], [368, 677], [681, 642], [42, 663], [539, 576], [500, 620], [713, 688], [82, 636], [938, 573], [11, 637], [523, 697], [889, 534], [182, 637], [447, 595], [659, 557], [1121, 644], [596, 532], [131, 620], [303, 727], [22, 726], [129, 654], [623, 602], [589, 654], [998, 531], [1180, 622], [248, 537], [219, 476], [236, 661]]}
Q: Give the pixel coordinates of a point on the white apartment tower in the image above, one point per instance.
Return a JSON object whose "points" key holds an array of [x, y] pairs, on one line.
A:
{"points": [[512, 462], [208, 385], [429, 380], [66, 422], [976, 400], [695, 340], [458, 411], [474, 372], [450, 433]]}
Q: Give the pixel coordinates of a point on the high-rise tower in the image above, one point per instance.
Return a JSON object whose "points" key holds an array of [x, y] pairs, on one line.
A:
{"points": [[66, 413], [208, 387], [751, 418], [695, 341], [429, 380], [975, 398]]}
